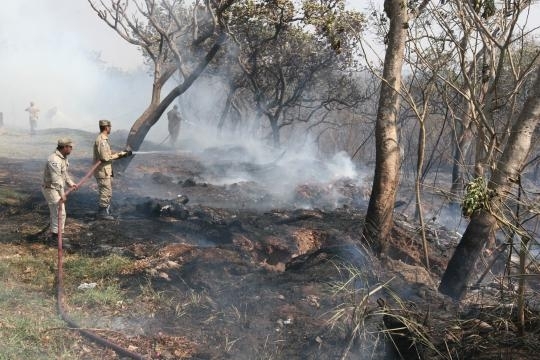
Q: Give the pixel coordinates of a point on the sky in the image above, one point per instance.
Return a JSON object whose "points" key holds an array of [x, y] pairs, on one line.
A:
{"points": [[50, 51]]}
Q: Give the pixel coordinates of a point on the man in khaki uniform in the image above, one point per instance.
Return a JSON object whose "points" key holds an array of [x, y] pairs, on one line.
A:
{"points": [[104, 172], [55, 177]]}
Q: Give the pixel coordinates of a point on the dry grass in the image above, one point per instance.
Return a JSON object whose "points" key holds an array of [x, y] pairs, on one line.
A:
{"points": [[29, 323]]}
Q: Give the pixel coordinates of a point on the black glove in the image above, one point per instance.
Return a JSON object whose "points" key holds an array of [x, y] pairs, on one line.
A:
{"points": [[125, 153]]}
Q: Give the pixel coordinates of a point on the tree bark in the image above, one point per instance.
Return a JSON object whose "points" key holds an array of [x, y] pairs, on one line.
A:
{"points": [[379, 217], [455, 278]]}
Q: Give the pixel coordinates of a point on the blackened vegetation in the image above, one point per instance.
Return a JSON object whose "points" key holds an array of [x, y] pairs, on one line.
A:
{"points": [[257, 278]]}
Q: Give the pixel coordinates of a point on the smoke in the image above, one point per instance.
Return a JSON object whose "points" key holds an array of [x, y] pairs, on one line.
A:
{"points": [[245, 156], [76, 70]]}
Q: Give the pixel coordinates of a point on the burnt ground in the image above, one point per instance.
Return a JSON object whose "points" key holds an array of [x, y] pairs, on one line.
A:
{"points": [[233, 271]]}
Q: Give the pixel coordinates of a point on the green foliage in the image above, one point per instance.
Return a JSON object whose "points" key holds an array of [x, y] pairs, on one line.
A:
{"points": [[477, 196], [330, 19], [488, 7]]}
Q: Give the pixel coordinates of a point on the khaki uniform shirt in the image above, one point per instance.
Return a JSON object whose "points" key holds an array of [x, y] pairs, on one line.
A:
{"points": [[55, 174], [102, 151]]}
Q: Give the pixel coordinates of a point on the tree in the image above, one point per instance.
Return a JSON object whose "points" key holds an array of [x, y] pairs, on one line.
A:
{"points": [[484, 220], [485, 88], [173, 38], [486, 77], [475, 85], [282, 57], [379, 217]]}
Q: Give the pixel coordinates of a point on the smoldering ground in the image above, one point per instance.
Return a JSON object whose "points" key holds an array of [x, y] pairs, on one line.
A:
{"points": [[242, 269]]}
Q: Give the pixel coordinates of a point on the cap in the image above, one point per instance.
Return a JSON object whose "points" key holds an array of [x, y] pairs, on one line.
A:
{"points": [[104, 123], [65, 142]]}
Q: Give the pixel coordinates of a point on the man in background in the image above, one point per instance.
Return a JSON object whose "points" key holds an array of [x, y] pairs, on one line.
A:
{"points": [[2, 130], [55, 179], [174, 124], [104, 172], [33, 115]]}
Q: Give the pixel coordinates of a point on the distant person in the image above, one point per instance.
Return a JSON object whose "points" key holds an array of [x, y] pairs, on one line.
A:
{"points": [[104, 172], [33, 115], [174, 124], [2, 123], [55, 179]]}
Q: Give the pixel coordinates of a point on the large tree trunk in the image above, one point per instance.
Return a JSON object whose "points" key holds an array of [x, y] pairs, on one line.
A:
{"points": [[483, 224], [455, 278], [379, 217]]}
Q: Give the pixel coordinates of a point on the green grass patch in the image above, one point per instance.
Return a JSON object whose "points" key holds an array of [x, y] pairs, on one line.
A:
{"points": [[29, 327], [29, 269], [103, 271], [108, 295], [80, 268]]}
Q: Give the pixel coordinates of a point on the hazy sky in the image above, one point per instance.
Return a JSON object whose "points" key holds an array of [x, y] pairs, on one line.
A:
{"points": [[68, 24], [48, 52]]}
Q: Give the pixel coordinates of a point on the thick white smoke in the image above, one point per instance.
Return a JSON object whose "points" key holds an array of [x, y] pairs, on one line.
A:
{"points": [[61, 56], [77, 70]]}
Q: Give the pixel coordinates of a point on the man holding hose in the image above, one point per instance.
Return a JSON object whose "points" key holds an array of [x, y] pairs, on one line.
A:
{"points": [[104, 171], [55, 178]]}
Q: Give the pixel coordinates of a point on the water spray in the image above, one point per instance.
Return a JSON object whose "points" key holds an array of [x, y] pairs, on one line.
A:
{"points": [[158, 152]]}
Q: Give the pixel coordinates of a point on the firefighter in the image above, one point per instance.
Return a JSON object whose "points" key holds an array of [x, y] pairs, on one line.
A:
{"points": [[33, 115], [55, 179], [104, 172], [174, 123]]}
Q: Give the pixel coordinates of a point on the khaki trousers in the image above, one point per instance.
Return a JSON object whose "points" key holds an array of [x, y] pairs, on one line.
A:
{"points": [[105, 191], [53, 197]]}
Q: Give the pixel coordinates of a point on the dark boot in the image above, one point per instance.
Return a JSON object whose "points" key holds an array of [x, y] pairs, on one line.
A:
{"points": [[104, 214], [53, 241]]}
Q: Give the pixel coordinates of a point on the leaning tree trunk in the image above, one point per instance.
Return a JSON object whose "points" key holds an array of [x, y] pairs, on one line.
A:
{"points": [[483, 224], [151, 115], [379, 217]]}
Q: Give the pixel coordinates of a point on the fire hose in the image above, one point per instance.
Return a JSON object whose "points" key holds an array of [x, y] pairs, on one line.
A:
{"points": [[60, 286]]}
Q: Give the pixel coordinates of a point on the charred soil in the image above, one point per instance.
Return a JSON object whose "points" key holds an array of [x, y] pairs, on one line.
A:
{"points": [[232, 272]]}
